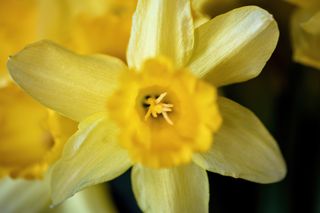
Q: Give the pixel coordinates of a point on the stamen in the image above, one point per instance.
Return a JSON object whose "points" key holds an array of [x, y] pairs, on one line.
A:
{"points": [[156, 107]]}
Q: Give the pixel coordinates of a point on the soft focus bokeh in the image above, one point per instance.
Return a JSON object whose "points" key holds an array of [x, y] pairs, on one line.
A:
{"points": [[285, 96]]}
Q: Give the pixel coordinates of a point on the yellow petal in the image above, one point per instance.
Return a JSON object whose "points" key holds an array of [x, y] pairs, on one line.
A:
{"points": [[16, 31], [235, 46], [91, 156], [88, 27], [23, 196], [243, 148], [74, 85], [161, 28], [178, 189], [93, 199], [305, 32]]}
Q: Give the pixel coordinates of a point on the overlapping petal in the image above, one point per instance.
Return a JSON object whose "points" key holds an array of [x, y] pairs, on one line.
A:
{"points": [[243, 148], [178, 189], [74, 85], [161, 28], [235, 46], [91, 156]]}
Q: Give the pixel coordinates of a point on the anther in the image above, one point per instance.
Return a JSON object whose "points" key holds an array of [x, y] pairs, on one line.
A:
{"points": [[156, 107]]}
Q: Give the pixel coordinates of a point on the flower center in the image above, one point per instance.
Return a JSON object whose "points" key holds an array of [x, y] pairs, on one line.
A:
{"points": [[156, 106], [164, 114]]}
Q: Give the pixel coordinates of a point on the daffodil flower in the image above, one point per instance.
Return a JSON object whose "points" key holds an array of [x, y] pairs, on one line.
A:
{"points": [[31, 137], [161, 114], [27, 130], [305, 32]]}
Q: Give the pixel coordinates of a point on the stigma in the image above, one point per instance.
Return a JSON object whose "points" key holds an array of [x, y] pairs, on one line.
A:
{"points": [[157, 107]]}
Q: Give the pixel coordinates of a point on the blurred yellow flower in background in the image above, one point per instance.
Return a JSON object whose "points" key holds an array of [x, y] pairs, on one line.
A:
{"points": [[159, 114], [31, 138], [87, 27], [15, 31], [305, 32]]}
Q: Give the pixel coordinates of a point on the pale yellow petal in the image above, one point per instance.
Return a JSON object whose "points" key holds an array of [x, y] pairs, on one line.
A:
{"points": [[93, 199], [91, 156], [243, 147], [161, 28], [235, 46], [23, 196], [305, 33], [178, 189], [74, 85]]}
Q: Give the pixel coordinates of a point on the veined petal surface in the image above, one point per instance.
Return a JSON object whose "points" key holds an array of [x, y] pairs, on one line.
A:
{"points": [[178, 189], [91, 156], [74, 85], [243, 148], [235, 46], [161, 28]]}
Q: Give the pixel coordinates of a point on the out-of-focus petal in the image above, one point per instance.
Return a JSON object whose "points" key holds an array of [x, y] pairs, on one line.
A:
{"points": [[92, 26], [93, 199], [91, 156], [74, 85], [18, 26], [161, 28], [235, 46], [306, 3], [24, 196], [27, 147], [243, 148], [178, 189], [305, 32]]}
